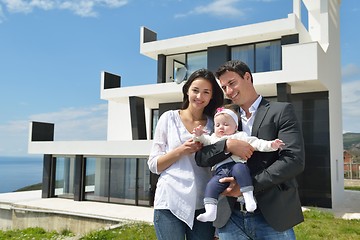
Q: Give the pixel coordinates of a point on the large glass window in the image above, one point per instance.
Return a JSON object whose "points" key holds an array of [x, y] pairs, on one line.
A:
{"points": [[195, 61], [129, 181], [260, 57], [64, 177], [268, 56], [154, 121], [244, 53], [97, 179], [123, 180], [118, 180], [143, 182]]}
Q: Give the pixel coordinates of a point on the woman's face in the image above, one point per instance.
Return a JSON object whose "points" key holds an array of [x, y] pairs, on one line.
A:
{"points": [[199, 93]]}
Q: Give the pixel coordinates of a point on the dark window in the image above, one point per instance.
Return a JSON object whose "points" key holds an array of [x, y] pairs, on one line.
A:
{"points": [[260, 57]]}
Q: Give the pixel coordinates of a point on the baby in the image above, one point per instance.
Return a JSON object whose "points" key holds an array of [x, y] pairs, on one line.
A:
{"points": [[225, 126]]}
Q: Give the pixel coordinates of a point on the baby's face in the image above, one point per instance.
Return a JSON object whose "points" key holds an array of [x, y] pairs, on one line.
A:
{"points": [[224, 125]]}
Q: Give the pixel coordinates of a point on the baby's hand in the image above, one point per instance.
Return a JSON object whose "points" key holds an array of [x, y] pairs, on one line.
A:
{"points": [[198, 131], [277, 144]]}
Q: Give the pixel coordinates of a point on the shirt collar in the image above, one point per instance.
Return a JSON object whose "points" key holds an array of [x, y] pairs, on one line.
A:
{"points": [[253, 107]]}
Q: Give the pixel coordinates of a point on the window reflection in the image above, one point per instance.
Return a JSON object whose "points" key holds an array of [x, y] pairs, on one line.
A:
{"points": [[118, 180], [123, 180], [195, 61], [97, 179], [260, 57], [64, 176], [244, 53], [268, 56]]}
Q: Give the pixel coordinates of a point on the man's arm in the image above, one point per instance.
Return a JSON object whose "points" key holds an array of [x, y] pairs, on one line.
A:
{"points": [[212, 154], [291, 159], [239, 148]]}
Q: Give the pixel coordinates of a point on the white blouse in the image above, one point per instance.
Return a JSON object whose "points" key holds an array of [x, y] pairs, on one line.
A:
{"points": [[180, 187]]}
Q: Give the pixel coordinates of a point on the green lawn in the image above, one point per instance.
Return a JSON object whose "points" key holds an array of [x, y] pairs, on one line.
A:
{"points": [[317, 225], [323, 225], [355, 188]]}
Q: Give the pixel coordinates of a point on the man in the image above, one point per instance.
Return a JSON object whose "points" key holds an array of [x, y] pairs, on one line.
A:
{"points": [[273, 173]]}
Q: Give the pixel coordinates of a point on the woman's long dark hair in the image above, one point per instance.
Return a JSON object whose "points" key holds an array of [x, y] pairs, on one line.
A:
{"points": [[217, 98]]}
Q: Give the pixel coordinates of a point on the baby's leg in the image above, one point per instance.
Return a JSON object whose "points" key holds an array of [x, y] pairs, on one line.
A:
{"points": [[250, 203], [213, 189], [210, 211], [242, 175]]}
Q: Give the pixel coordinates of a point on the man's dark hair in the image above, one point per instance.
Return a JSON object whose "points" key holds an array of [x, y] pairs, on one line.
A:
{"points": [[234, 66]]}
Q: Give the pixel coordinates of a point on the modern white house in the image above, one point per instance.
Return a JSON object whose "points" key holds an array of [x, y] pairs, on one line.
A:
{"points": [[294, 59]]}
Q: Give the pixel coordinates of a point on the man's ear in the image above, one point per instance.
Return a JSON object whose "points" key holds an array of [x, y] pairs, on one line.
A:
{"points": [[247, 76]]}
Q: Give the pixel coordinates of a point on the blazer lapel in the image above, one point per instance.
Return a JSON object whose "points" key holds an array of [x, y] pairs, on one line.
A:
{"points": [[260, 115]]}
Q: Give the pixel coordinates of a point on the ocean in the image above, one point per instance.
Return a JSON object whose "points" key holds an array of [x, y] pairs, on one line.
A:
{"points": [[18, 172]]}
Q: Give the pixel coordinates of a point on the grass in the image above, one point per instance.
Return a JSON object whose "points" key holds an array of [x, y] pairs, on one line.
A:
{"points": [[355, 188], [317, 225], [323, 225], [134, 231], [34, 234]]}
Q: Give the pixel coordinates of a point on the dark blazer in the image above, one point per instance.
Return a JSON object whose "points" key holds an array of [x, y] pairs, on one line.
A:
{"points": [[273, 173]]}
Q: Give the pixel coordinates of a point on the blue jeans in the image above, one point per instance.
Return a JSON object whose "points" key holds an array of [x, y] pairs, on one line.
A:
{"points": [[169, 227], [247, 225]]}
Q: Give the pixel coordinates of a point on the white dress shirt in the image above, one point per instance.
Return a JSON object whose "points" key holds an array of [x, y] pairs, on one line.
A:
{"points": [[247, 123]]}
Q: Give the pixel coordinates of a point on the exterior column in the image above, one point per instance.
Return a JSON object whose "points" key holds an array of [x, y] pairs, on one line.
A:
{"points": [[79, 178], [48, 179], [137, 113], [283, 92], [217, 56]]}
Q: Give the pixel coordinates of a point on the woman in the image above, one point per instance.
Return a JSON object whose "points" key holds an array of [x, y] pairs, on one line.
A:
{"points": [[181, 185]]}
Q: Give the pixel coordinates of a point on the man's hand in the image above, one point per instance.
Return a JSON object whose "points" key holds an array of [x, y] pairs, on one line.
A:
{"points": [[239, 148], [233, 190]]}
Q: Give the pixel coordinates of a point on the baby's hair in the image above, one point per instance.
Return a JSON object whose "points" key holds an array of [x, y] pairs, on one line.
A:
{"points": [[233, 107]]}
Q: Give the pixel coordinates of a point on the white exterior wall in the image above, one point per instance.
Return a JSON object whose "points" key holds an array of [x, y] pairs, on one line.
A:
{"points": [[134, 148], [119, 121], [330, 75]]}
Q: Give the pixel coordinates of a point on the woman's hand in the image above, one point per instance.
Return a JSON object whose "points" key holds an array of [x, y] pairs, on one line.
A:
{"points": [[187, 148], [190, 147], [233, 190]]}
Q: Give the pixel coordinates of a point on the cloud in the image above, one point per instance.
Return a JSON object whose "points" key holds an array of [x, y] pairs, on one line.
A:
{"points": [[77, 123], [89, 123], [2, 16], [350, 71], [350, 106], [217, 8], [84, 8]]}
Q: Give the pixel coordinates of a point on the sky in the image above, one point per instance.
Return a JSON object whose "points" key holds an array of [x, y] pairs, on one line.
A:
{"points": [[52, 53]]}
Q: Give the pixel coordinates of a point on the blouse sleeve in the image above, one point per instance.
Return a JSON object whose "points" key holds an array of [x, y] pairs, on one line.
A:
{"points": [[160, 142]]}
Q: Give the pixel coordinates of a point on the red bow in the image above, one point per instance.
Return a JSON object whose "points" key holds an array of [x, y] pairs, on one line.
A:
{"points": [[220, 109]]}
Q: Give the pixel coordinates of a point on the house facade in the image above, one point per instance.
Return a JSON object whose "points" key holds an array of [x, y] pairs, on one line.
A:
{"points": [[351, 166], [294, 59]]}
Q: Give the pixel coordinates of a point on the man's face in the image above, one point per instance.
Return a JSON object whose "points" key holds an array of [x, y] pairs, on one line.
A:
{"points": [[235, 87]]}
